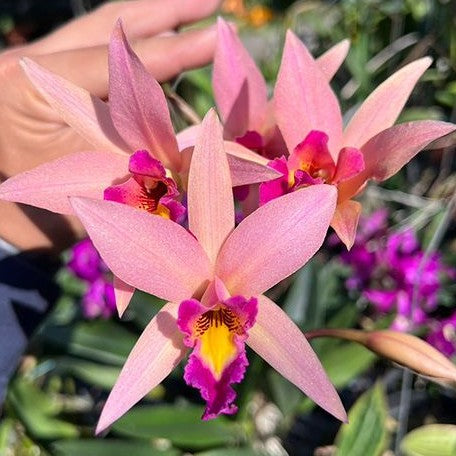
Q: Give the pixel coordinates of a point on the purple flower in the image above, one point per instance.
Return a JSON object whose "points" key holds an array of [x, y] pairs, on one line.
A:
{"points": [[99, 300], [401, 245], [85, 262], [383, 300], [443, 335], [394, 275], [363, 263], [373, 226]]}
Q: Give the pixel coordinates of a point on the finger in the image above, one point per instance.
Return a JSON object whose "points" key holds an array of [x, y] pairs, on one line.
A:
{"points": [[164, 57], [141, 18]]}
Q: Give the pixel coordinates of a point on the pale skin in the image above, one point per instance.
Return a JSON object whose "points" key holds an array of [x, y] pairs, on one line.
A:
{"points": [[31, 133]]}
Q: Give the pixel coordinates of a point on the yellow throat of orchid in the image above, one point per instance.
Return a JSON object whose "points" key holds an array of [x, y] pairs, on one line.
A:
{"points": [[216, 329]]}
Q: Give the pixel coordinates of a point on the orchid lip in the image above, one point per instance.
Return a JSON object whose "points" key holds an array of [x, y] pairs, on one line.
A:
{"points": [[217, 334], [148, 188], [311, 163]]}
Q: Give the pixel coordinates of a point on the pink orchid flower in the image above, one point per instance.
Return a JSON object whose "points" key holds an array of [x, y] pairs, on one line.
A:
{"points": [[213, 278], [241, 94], [148, 188], [241, 97], [137, 119], [309, 118]]}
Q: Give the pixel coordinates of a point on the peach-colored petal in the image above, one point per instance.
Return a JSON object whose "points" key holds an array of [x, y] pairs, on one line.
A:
{"points": [[80, 174], [123, 293], [345, 221], [246, 166], [332, 59], [383, 106], [138, 105], [187, 137], [157, 352], [85, 113], [276, 240], [303, 98], [349, 164], [146, 251], [281, 343], [210, 198], [239, 87], [386, 153]]}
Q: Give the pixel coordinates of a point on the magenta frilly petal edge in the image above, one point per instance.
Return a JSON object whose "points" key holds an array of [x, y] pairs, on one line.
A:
{"points": [[217, 392]]}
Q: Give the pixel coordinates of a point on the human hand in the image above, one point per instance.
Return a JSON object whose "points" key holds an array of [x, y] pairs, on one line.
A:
{"points": [[31, 131]]}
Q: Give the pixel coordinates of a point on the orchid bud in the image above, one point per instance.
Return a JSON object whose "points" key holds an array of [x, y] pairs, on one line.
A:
{"points": [[404, 349]]}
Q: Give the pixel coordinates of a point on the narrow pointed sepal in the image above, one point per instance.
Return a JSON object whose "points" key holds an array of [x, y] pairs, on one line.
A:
{"points": [[332, 59], [210, 198], [86, 114], [345, 221], [138, 105], [157, 352], [382, 107], [303, 98], [281, 343], [49, 185], [123, 294], [293, 228], [239, 87], [147, 251]]}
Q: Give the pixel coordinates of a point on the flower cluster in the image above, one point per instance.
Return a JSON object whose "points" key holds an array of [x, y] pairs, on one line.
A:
{"points": [[395, 275], [86, 264], [289, 160]]}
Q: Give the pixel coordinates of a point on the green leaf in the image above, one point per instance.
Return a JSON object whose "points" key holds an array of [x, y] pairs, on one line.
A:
{"points": [[230, 452], [143, 307], [181, 425], [70, 284], [314, 291], [299, 295], [430, 440], [285, 394], [6, 429], [99, 375], [346, 317], [419, 113], [419, 8], [107, 447], [13, 441], [366, 433], [346, 361], [95, 374], [26, 392], [201, 79], [99, 340], [342, 362], [36, 410]]}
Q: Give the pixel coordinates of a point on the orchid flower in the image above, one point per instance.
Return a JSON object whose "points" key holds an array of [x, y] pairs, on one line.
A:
{"points": [[241, 97], [241, 94], [213, 278], [320, 151], [138, 160]]}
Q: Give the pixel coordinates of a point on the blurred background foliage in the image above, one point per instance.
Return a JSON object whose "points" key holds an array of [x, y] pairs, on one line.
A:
{"points": [[58, 392]]}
